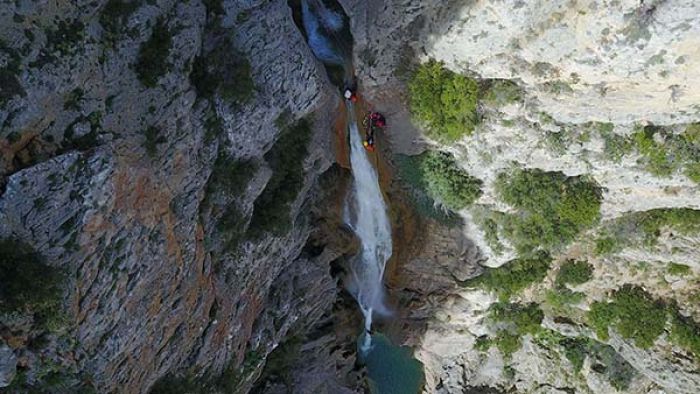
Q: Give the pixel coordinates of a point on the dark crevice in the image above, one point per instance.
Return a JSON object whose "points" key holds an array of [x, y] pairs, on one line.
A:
{"points": [[341, 39]]}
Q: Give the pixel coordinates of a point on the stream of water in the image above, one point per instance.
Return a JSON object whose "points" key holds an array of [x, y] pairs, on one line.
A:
{"points": [[366, 215], [391, 369]]}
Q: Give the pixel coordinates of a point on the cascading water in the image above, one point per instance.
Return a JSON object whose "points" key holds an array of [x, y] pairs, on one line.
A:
{"points": [[391, 369], [319, 24], [366, 215]]}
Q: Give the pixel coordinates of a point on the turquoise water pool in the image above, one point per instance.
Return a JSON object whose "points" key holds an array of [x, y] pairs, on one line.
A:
{"points": [[392, 369]]}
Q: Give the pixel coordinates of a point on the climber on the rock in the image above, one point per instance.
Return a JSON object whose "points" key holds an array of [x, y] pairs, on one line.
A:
{"points": [[377, 119], [349, 94], [368, 142]]}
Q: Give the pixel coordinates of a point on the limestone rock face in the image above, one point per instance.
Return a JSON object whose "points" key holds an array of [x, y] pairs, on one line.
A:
{"points": [[152, 289], [8, 365], [589, 72]]}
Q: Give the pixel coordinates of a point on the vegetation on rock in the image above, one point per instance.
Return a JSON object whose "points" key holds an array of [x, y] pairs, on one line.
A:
{"points": [[153, 138], [223, 70], [114, 17], [633, 313], [645, 227], [29, 285], [514, 276], [409, 171], [446, 183], [663, 153], [444, 101], [678, 269], [552, 208], [501, 92], [10, 85], [153, 61], [574, 273], [514, 321], [272, 209]]}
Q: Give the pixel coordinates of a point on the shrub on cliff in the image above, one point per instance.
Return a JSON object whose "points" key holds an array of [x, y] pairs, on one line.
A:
{"points": [[552, 208], [645, 227], [513, 276], [633, 313], [444, 101], [272, 209], [686, 333], [224, 70], [574, 273], [514, 321], [28, 285], [409, 171], [153, 62], [114, 17], [446, 183], [501, 92]]}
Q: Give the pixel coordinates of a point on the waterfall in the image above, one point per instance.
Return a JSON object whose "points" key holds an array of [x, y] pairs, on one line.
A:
{"points": [[366, 215], [318, 30]]}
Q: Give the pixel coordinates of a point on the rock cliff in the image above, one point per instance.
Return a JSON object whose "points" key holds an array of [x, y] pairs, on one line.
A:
{"points": [[593, 92], [134, 158]]}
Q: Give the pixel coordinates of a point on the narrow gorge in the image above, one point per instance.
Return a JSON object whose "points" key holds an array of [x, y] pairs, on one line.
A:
{"points": [[195, 196]]}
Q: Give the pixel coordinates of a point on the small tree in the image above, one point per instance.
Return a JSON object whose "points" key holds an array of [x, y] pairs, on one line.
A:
{"points": [[27, 284]]}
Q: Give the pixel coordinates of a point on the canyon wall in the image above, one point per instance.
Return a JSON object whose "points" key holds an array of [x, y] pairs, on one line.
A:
{"points": [[125, 168], [601, 87]]}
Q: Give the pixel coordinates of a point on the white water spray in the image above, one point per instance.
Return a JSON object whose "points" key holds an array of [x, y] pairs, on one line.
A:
{"points": [[366, 215]]}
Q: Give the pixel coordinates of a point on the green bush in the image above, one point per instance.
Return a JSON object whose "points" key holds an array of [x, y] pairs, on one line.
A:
{"points": [[633, 313], [231, 226], [409, 171], [28, 285], [605, 245], [10, 85], [272, 209], [152, 62], [605, 360], [515, 321], [114, 16], [552, 208], [514, 276], [576, 350], [223, 70], [560, 300], [153, 139], [678, 269], [489, 225], [501, 92], [574, 273], [65, 39], [646, 226], [229, 175], [446, 183], [686, 333], [661, 158], [656, 156], [444, 101]]}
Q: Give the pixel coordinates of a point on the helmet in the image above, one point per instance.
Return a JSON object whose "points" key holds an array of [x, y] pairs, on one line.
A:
{"points": [[365, 143]]}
